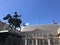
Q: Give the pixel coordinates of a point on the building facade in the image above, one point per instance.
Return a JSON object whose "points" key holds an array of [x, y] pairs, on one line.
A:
{"points": [[10, 37], [41, 34]]}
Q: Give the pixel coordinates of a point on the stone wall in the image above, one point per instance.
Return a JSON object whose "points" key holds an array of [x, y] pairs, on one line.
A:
{"points": [[3, 25]]}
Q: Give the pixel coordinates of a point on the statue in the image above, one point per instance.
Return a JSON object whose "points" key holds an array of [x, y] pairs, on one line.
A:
{"points": [[13, 21], [16, 15]]}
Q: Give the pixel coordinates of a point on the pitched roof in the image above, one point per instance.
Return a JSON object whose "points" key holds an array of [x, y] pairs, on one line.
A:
{"points": [[45, 27]]}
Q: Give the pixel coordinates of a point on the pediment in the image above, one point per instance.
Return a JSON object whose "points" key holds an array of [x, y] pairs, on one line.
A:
{"points": [[38, 30]]}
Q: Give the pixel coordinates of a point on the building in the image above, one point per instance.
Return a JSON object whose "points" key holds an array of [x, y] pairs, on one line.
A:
{"points": [[10, 37], [41, 34], [3, 25]]}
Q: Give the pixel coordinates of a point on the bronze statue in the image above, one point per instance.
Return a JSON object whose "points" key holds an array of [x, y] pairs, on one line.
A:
{"points": [[15, 15], [13, 21]]}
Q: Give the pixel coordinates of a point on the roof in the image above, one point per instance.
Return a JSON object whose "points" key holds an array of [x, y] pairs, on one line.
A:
{"points": [[45, 27], [17, 33], [3, 31]]}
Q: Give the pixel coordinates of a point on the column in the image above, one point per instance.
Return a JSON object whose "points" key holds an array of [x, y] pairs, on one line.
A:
{"points": [[48, 40], [53, 42], [6, 41], [25, 41], [32, 42], [17, 40], [36, 41], [11, 40], [59, 41], [43, 42]]}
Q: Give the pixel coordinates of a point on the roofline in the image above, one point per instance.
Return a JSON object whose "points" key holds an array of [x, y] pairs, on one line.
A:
{"points": [[40, 24], [3, 31]]}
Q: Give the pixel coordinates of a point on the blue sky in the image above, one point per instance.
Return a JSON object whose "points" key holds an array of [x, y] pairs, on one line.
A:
{"points": [[32, 11]]}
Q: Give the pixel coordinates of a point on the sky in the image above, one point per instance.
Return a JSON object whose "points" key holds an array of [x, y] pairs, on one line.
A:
{"points": [[32, 11]]}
